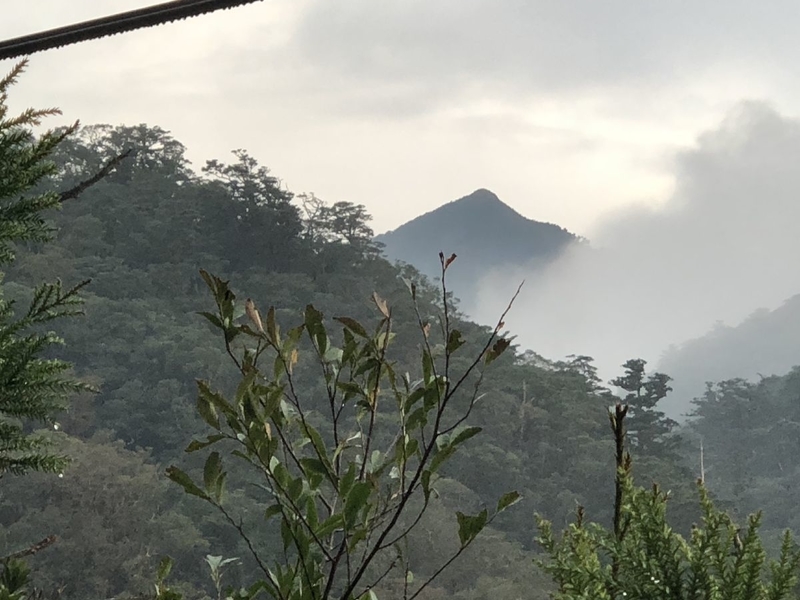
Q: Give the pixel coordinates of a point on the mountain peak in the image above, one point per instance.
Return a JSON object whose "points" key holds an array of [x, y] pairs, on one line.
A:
{"points": [[482, 199], [482, 230], [468, 211], [481, 195]]}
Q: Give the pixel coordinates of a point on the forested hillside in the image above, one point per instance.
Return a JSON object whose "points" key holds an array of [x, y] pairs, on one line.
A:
{"points": [[143, 234], [764, 344]]}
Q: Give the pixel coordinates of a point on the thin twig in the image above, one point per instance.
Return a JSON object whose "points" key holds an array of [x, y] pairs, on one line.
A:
{"points": [[488, 343]]}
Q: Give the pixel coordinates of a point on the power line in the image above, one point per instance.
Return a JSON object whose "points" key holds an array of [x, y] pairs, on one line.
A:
{"points": [[150, 16]]}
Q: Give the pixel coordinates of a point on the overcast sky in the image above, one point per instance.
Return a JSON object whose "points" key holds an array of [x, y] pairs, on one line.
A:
{"points": [[723, 244], [666, 132], [564, 109]]}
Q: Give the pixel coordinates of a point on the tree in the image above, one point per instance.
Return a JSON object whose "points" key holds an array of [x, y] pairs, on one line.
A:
{"points": [[346, 481], [33, 389], [262, 225], [651, 431], [642, 558], [113, 513]]}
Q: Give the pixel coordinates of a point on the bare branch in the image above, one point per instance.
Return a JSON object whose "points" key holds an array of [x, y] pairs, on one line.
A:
{"points": [[85, 185], [31, 550]]}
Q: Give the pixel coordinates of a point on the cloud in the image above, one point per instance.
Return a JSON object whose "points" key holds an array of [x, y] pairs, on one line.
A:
{"points": [[562, 108], [456, 48], [724, 244]]}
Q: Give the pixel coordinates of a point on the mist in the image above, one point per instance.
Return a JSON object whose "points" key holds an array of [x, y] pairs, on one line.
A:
{"points": [[724, 244]]}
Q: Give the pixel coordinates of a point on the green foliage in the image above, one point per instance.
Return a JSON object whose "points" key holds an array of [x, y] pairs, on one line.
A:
{"points": [[651, 432], [14, 580], [113, 513], [643, 558], [34, 388], [347, 480], [746, 431]]}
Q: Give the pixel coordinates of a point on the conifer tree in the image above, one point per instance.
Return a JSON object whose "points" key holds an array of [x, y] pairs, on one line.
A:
{"points": [[642, 558], [651, 433], [33, 388]]}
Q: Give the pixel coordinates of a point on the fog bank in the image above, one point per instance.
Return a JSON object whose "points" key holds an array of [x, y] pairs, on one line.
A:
{"points": [[724, 244]]}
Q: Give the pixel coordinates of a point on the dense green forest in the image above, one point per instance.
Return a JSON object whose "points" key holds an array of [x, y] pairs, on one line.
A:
{"points": [[142, 235]]}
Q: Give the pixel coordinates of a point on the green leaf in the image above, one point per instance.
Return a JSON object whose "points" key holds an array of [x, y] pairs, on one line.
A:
{"points": [[319, 446], [411, 447], [271, 511], [383, 339], [286, 534], [295, 489], [454, 341], [427, 367], [462, 435], [312, 517], [183, 480], [273, 401], [470, 526], [426, 484], [210, 280], [441, 456], [413, 398], [350, 388], [196, 445], [273, 333], [206, 409], [353, 326], [216, 399], [507, 500], [212, 318], [497, 349], [316, 328], [347, 480], [330, 525], [244, 386], [296, 333], [418, 418], [333, 355], [356, 501], [164, 568], [212, 470], [314, 465]]}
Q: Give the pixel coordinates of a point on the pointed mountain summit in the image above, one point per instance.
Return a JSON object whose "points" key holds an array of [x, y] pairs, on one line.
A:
{"points": [[484, 232]]}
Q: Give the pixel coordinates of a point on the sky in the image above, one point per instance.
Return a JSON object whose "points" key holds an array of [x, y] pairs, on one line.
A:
{"points": [[665, 132], [723, 244], [565, 110]]}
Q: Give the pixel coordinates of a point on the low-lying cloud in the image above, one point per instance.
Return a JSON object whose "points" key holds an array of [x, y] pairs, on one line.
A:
{"points": [[724, 244]]}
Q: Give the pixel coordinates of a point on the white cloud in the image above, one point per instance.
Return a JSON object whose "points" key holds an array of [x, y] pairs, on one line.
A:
{"points": [[722, 245], [563, 109]]}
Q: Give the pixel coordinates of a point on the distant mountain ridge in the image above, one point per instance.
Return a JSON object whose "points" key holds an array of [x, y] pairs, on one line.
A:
{"points": [[484, 232], [766, 343]]}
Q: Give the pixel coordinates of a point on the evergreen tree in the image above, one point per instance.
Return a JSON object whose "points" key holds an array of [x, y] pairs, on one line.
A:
{"points": [[642, 558], [33, 389], [650, 430]]}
